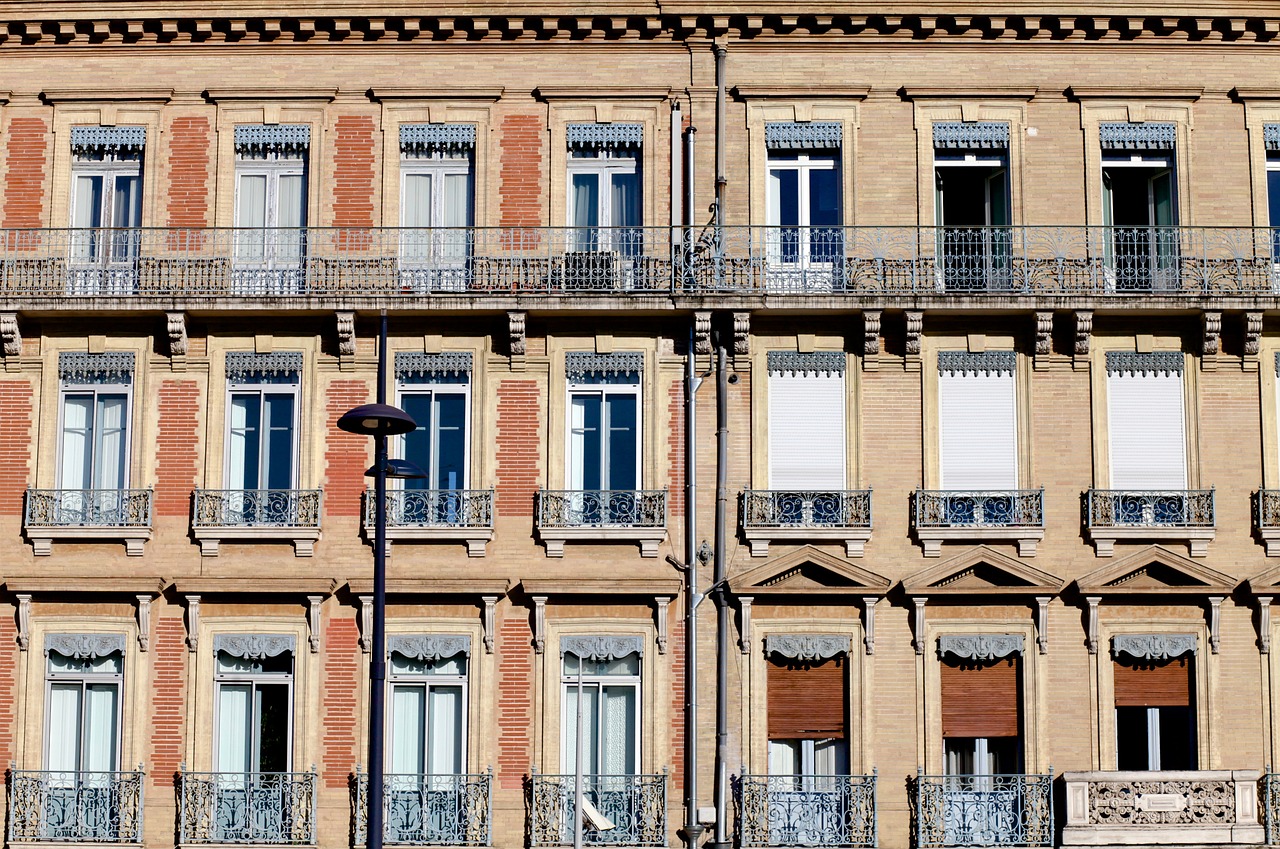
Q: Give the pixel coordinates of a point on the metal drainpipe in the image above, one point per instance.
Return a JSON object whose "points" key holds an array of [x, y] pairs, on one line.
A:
{"points": [[692, 828], [721, 180], [721, 600]]}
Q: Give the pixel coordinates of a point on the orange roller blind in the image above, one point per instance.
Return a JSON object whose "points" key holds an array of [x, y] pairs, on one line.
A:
{"points": [[980, 700], [1146, 684], [806, 702]]}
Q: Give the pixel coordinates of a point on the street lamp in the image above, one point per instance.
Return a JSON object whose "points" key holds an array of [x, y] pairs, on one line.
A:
{"points": [[379, 420]]}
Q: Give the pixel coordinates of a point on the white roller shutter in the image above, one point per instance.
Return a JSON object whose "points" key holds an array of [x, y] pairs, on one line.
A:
{"points": [[978, 428], [806, 430], [1147, 429]]}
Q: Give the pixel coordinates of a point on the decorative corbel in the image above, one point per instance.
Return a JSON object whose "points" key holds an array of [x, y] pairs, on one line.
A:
{"points": [[487, 618], [661, 622], [366, 624], [915, 327], [1264, 624], [918, 637], [1092, 637], [313, 622], [1042, 623], [1211, 339], [1252, 333], [1215, 619], [10, 334], [1044, 333], [193, 622], [539, 623], [744, 623], [870, 340], [346, 333], [516, 343], [741, 334], [1084, 332], [24, 620], [176, 326], [144, 622], [702, 333], [869, 622]]}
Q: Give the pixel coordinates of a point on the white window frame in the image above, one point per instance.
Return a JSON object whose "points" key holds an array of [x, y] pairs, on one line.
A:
{"points": [[1273, 167], [261, 388], [602, 389], [943, 483], [604, 163], [432, 388], [427, 681], [253, 679], [1111, 447], [84, 679], [437, 166], [108, 168], [569, 685], [96, 389], [276, 252], [802, 164]]}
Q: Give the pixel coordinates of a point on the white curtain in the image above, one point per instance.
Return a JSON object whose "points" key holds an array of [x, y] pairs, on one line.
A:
{"points": [[251, 216], [416, 216], [407, 719], [77, 425], [456, 214], [626, 200], [101, 706], [109, 456], [569, 728], [88, 214], [239, 449], [64, 727], [618, 731], [233, 728], [784, 757], [290, 214], [578, 438], [444, 745], [127, 210]]}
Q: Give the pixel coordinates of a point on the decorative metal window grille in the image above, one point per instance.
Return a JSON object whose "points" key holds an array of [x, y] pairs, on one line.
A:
{"points": [[1154, 363], [1271, 136], [600, 649], [254, 646], [1153, 646], [247, 367], [1277, 363], [584, 367], [816, 363], [82, 646], [980, 646], [970, 135], [417, 366], [112, 367], [1122, 135], [280, 139], [604, 136], [429, 646], [807, 646], [803, 135], [993, 363], [107, 140], [423, 139]]}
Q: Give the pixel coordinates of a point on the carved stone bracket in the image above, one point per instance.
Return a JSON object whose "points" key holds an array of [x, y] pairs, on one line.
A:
{"points": [[806, 646], [10, 334], [1153, 646], [601, 648], [429, 646], [1211, 339], [176, 328], [313, 621], [1252, 333], [193, 622], [1215, 620], [254, 646], [1091, 638], [539, 623], [915, 327], [870, 339], [84, 646], [144, 622], [741, 334], [660, 621], [1044, 333], [1264, 624], [702, 333], [346, 333], [24, 620], [1042, 623], [744, 623], [487, 620], [917, 638], [1084, 332], [516, 344], [869, 622], [366, 624], [980, 646]]}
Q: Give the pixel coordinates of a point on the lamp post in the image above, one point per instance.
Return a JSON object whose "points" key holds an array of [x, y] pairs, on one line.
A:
{"points": [[379, 420]]}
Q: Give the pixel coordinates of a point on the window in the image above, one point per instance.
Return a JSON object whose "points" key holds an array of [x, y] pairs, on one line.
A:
{"points": [[84, 677], [807, 703], [94, 441], [1147, 434], [806, 421], [271, 206], [610, 686], [1155, 704], [436, 206], [1139, 205], [803, 208], [435, 389], [604, 423], [981, 713], [971, 183], [428, 705], [106, 207], [254, 703], [977, 437], [1271, 134], [262, 420], [604, 202]]}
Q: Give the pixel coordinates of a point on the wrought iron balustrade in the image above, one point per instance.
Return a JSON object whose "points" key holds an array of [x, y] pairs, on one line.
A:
{"points": [[1271, 807], [809, 810], [1267, 509], [432, 508], [1111, 508], [635, 804], [255, 807], [594, 508], [429, 810], [75, 807], [780, 508], [995, 508], [257, 508], [88, 508], [983, 810]]}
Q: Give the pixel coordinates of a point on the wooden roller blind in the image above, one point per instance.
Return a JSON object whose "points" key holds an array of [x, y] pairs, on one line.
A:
{"points": [[1143, 684], [980, 700], [806, 702]]}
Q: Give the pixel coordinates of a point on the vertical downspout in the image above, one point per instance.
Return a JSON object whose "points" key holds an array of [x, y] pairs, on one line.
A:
{"points": [[722, 602], [677, 188], [721, 180], [692, 828]]}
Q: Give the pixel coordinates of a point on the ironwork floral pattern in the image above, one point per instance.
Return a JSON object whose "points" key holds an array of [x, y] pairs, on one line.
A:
{"points": [[819, 363], [428, 810], [257, 508], [421, 139], [635, 804], [88, 508], [604, 136], [112, 367], [809, 810], [250, 367], [803, 135], [762, 508], [970, 135], [1110, 508], [75, 807], [1004, 508], [429, 508], [594, 508], [276, 808], [1153, 363], [109, 140], [983, 810], [585, 367], [419, 366], [1124, 135]]}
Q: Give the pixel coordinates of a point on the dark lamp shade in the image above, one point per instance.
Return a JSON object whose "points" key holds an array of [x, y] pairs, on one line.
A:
{"points": [[401, 469], [377, 420]]}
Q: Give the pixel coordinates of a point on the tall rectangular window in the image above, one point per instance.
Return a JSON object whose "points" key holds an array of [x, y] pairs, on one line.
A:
{"points": [[84, 678], [428, 705], [106, 208], [803, 204], [1271, 133], [1155, 704], [93, 445], [972, 203], [1139, 205], [435, 389], [981, 708], [610, 687], [1146, 420], [604, 188], [807, 710], [436, 205], [271, 205], [262, 420], [807, 420], [604, 421], [977, 420], [253, 701]]}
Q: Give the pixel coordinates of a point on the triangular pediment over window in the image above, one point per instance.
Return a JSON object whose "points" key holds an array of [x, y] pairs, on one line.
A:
{"points": [[1156, 571], [1266, 583], [809, 571], [981, 570]]}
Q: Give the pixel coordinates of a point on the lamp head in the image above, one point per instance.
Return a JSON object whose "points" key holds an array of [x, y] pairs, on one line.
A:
{"points": [[401, 469], [377, 420]]}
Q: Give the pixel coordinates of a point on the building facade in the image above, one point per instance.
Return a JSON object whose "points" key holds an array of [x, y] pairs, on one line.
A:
{"points": [[978, 306]]}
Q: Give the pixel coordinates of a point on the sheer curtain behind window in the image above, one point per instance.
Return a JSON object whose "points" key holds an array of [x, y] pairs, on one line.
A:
{"points": [[64, 727], [444, 746], [77, 429], [251, 217], [408, 716], [101, 720], [291, 216], [618, 731], [233, 728], [110, 448]]}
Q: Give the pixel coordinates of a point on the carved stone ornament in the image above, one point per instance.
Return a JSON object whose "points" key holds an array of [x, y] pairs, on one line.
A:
{"points": [[254, 646], [144, 622], [1252, 333], [1212, 326], [515, 329], [915, 326], [426, 139], [24, 620], [278, 366], [193, 622], [86, 141], [1271, 136], [176, 328], [588, 367], [1124, 135], [1153, 646], [601, 648], [429, 646], [803, 135], [1084, 331], [871, 332], [112, 367], [417, 367], [970, 364], [346, 333], [84, 646], [604, 136], [10, 334], [741, 334], [1153, 364], [970, 135], [980, 646], [278, 139], [366, 624], [702, 333], [818, 363], [806, 646]]}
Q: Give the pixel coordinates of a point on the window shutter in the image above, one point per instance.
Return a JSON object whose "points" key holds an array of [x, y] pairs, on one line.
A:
{"points": [[806, 701], [1147, 431], [978, 423], [1147, 684], [980, 700], [806, 431]]}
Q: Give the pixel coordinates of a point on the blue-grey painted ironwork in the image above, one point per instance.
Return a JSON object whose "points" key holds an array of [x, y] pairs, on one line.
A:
{"points": [[417, 366], [977, 362], [429, 810], [250, 367], [808, 647], [423, 139], [972, 508], [1124, 135], [1271, 807], [88, 508], [1267, 509], [803, 135], [108, 140], [257, 508], [254, 646], [109, 367], [82, 646], [280, 139], [983, 810], [434, 508], [75, 807], [1151, 364], [594, 508], [814, 362], [589, 367], [429, 646], [970, 135], [1172, 508], [276, 808], [604, 136], [1153, 646], [601, 648], [809, 810], [1271, 136], [783, 508], [635, 804], [979, 646]]}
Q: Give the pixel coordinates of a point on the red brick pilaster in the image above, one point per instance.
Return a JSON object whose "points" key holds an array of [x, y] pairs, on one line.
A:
{"points": [[523, 182], [675, 449], [346, 454], [188, 146], [28, 145], [518, 471], [342, 676], [15, 445], [515, 699], [167, 697], [178, 432], [353, 173], [8, 685]]}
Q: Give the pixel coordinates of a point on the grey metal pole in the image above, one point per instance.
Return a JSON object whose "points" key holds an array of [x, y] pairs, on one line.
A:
{"points": [[378, 662], [577, 767], [692, 828], [721, 600]]}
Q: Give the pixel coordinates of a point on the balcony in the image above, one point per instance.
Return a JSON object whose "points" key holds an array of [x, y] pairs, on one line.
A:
{"points": [[983, 810], [437, 515], [602, 515], [429, 810], [995, 515], [635, 804], [87, 514], [1266, 519], [257, 515], [75, 807], [1271, 807], [1164, 515], [811, 810], [272, 808], [1193, 808], [843, 515]]}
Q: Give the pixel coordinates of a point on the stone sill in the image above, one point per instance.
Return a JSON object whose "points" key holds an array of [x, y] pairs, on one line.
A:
{"points": [[42, 540], [1163, 835], [854, 539], [1197, 539], [648, 538], [475, 538], [303, 539], [1270, 537], [1026, 538]]}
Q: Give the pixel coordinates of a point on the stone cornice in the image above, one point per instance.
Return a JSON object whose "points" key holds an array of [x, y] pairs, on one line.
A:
{"points": [[792, 92], [1119, 92], [603, 586], [435, 586], [604, 92], [123, 95], [86, 583], [1246, 94], [385, 93], [985, 92], [258, 585], [255, 93]]}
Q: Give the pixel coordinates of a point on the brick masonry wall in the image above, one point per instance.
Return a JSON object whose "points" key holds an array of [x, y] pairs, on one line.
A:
{"points": [[353, 171], [518, 469], [8, 687], [168, 704], [677, 649], [675, 450], [346, 454], [515, 695], [522, 179], [176, 446], [15, 445], [341, 707], [28, 157], [187, 196]]}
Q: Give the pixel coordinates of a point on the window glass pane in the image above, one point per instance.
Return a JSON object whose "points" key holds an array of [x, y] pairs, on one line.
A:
{"points": [[64, 727], [626, 200], [101, 706], [787, 184], [584, 443], [824, 196], [629, 665], [110, 448], [77, 451], [408, 716], [830, 757], [402, 665], [1273, 203], [569, 728], [622, 442], [451, 442], [281, 664], [242, 452], [279, 448], [1177, 738], [445, 734], [417, 445], [128, 201], [1131, 738], [618, 731], [233, 728], [103, 665], [272, 721], [585, 200]]}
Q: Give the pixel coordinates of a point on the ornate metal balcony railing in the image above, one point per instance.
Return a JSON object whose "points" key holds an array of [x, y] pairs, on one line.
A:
{"points": [[75, 807], [402, 262], [88, 508], [434, 508], [1271, 807], [635, 804], [1266, 513], [1176, 508], [429, 810], [597, 508], [983, 810], [778, 508], [995, 508], [810, 810], [256, 807], [257, 508]]}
